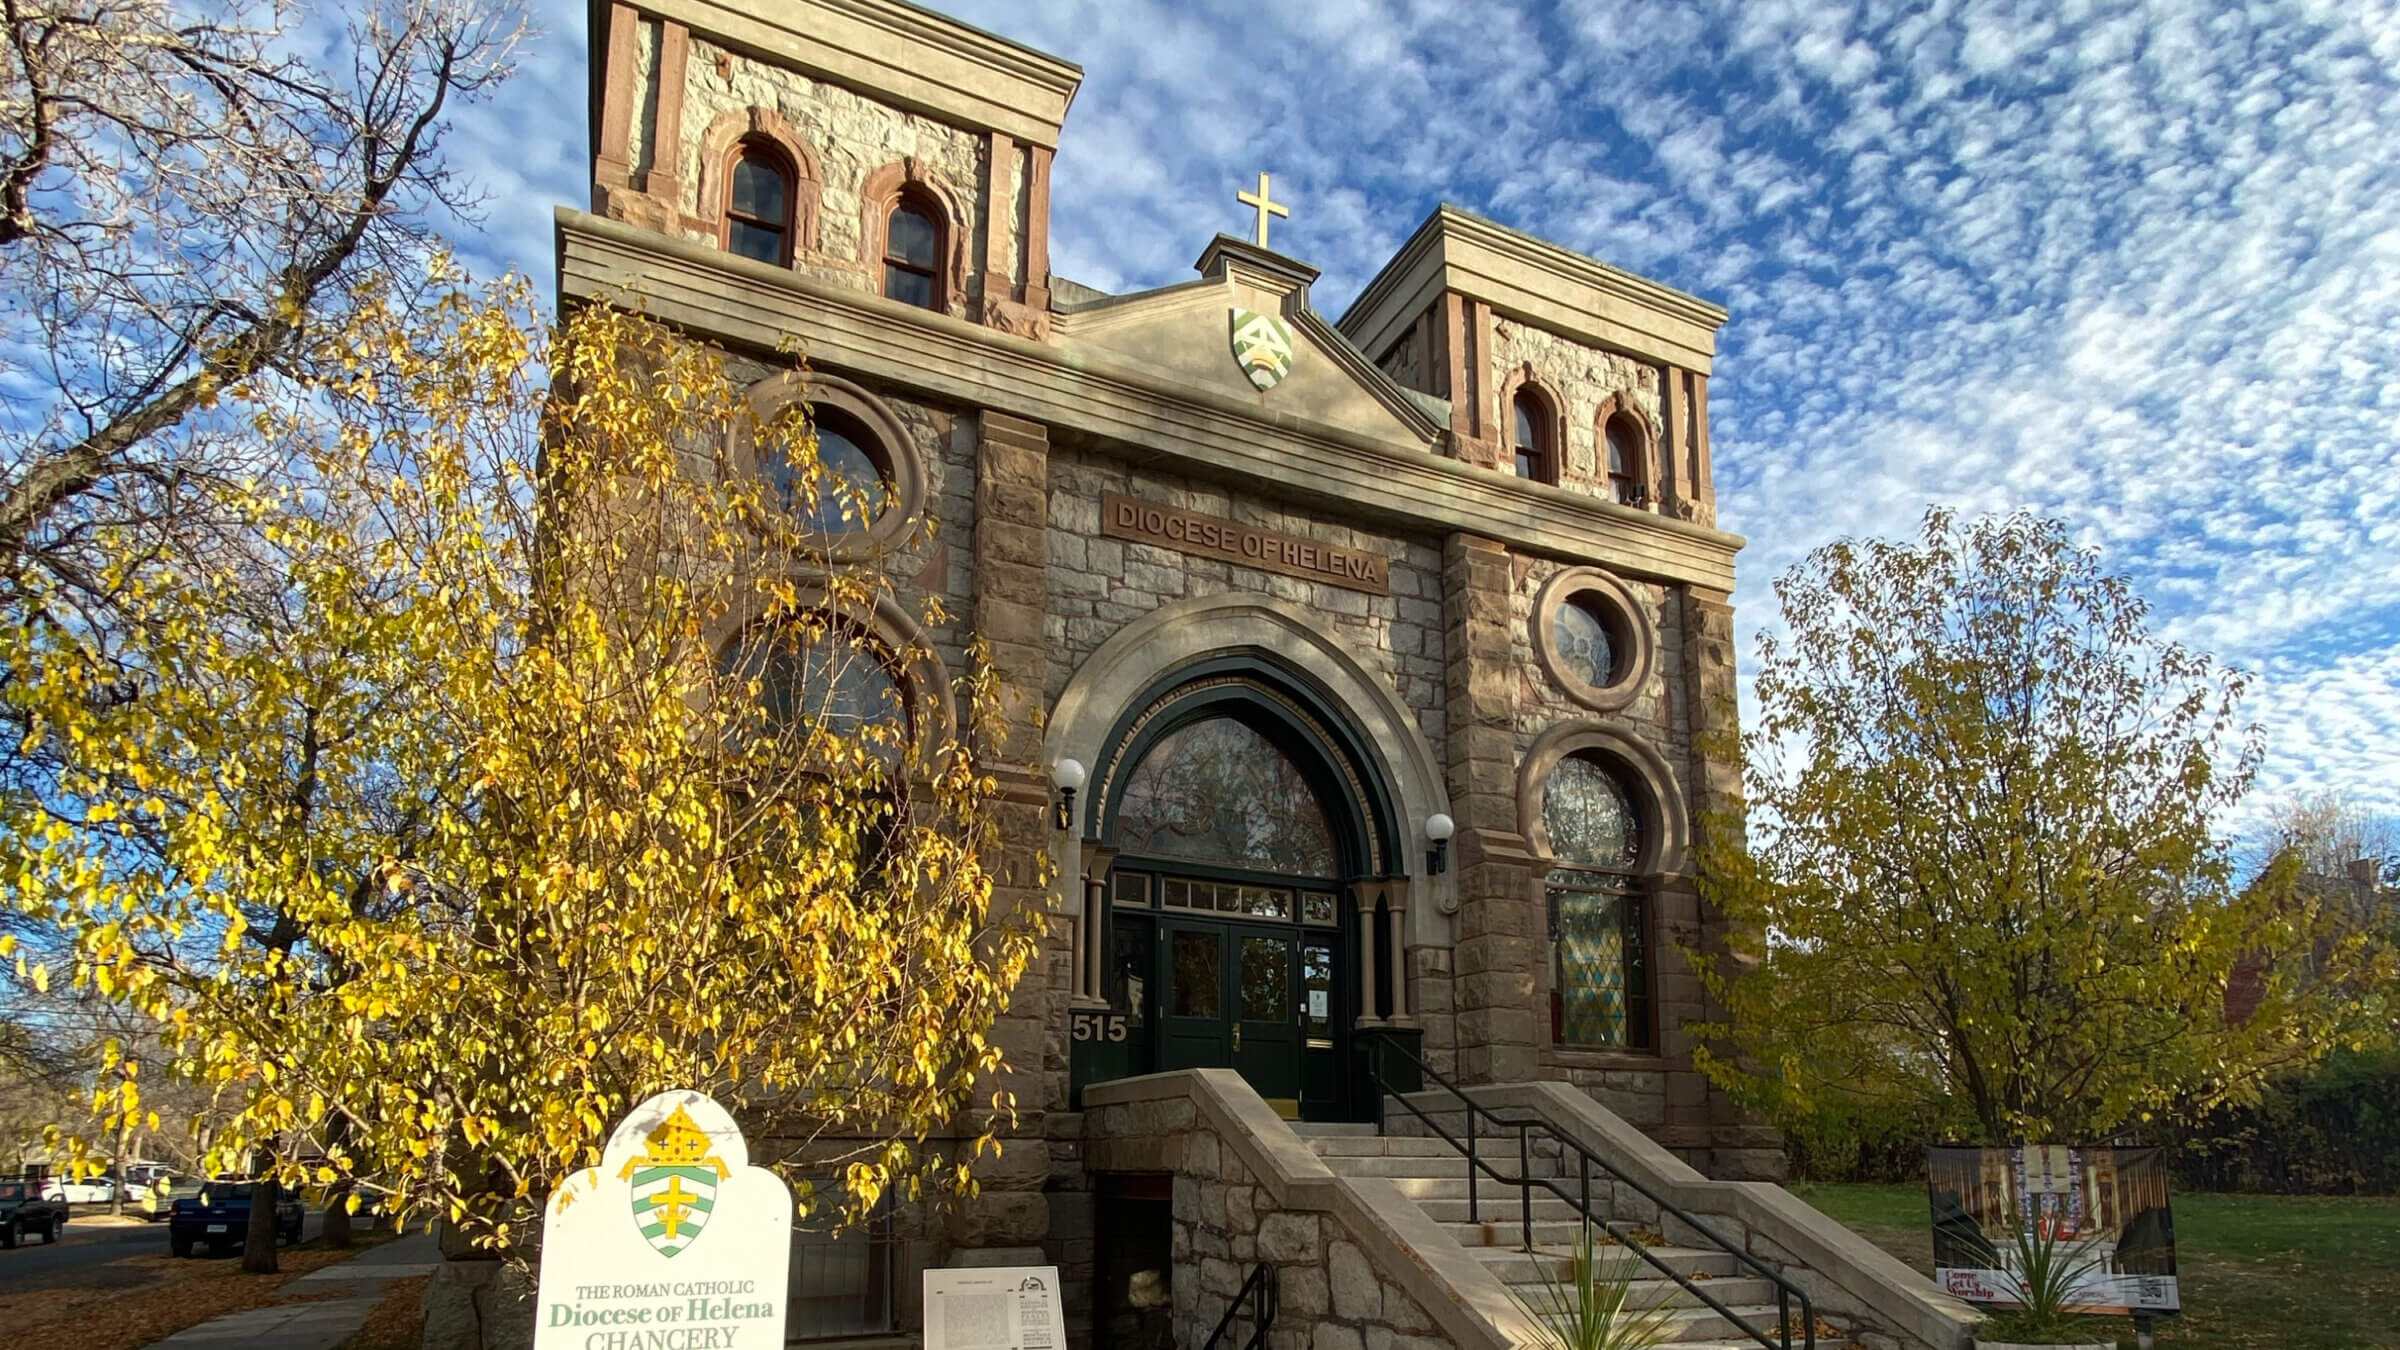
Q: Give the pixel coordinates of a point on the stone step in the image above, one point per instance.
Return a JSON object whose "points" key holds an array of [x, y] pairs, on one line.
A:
{"points": [[1498, 1202], [1331, 1129], [1656, 1290], [1686, 1325], [1369, 1146], [1428, 1166], [1520, 1267], [1508, 1231]]}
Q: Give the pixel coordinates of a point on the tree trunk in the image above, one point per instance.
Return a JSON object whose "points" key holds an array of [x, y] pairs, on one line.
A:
{"points": [[337, 1197], [116, 1202], [258, 1249]]}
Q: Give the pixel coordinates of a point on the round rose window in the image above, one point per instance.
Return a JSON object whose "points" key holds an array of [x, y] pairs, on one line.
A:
{"points": [[1593, 637]]}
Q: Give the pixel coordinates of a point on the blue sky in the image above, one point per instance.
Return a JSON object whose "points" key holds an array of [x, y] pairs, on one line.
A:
{"points": [[2133, 265]]}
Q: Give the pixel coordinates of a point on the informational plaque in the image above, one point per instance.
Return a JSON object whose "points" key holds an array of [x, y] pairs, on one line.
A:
{"points": [[994, 1308], [1215, 537], [674, 1242]]}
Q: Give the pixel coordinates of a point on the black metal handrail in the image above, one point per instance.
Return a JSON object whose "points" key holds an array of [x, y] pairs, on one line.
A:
{"points": [[1785, 1291], [1260, 1290]]}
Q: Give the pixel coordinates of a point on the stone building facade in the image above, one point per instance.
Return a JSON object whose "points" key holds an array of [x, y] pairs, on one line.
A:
{"points": [[1389, 656]]}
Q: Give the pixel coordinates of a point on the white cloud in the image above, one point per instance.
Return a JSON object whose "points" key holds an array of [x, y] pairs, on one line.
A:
{"points": [[2135, 263]]}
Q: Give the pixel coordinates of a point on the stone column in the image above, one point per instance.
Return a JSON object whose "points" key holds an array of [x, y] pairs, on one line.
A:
{"points": [[1011, 592], [1740, 1149], [1499, 916], [1370, 979]]}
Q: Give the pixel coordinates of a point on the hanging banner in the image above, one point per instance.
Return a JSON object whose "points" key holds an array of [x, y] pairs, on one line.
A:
{"points": [[2105, 1209], [674, 1242]]}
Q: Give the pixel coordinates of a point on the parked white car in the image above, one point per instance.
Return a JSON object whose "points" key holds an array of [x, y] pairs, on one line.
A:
{"points": [[90, 1191]]}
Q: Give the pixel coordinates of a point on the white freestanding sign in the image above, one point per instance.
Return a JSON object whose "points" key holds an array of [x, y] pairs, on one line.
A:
{"points": [[675, 1242], [994, 1308]]}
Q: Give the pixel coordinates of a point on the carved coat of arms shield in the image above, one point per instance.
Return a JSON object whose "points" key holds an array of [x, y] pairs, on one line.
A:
{"points": [[1262, 344]]}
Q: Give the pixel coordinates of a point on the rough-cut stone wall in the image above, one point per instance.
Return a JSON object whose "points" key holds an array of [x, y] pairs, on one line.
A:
{"points": [[1582, 378], [1098, 585], [851, 135], [936, 560], [1661, 1093], [1226, 1221], [1541, 704], [1495, 984]]}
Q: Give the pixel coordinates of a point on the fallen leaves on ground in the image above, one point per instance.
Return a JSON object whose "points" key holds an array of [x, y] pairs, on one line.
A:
{"points": [[175, 1293], [398, 1323]]}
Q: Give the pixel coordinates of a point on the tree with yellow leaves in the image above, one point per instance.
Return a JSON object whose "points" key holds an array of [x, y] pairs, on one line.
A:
{"points": [[523, 750], [1984, 884]]}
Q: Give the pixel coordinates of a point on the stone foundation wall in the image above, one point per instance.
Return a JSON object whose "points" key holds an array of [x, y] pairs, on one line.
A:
{"points": [[1330, 1296], [1359, 1266]]}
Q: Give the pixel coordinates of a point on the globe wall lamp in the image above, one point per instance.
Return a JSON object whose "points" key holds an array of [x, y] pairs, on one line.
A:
{"points": [[1068, 775], [1438, 829]]}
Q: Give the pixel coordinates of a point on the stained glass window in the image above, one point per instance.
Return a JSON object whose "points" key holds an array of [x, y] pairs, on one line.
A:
{"points": [[1599, 980], [1587, 815], [1584, 643], [1218, 791], [833, 679], [851, 488]]}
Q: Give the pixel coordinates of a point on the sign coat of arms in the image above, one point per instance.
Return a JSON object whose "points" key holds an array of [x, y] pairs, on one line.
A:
{"points": [[669, 1212], [674, 1226], [1262, 345]]}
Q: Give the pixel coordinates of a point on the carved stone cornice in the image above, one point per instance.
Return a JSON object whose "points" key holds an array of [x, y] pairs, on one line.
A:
{"points": [[1402, 483], [912, 57], [1535, 281]]}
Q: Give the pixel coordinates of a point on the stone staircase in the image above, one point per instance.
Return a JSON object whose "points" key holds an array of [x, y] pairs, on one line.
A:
{"points": [[1434, 1175]]}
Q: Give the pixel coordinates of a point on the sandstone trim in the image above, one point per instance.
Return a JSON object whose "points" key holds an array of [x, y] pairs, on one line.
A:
{"points": [[920, 60], [1669, 838], [751, 305], [1633, 624]]}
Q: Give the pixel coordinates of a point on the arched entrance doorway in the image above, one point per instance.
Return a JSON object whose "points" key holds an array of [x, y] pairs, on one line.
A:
{"points": [[1242, 825]]}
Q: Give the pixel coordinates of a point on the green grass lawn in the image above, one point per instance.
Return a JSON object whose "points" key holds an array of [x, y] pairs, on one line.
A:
{"points": [[2286, 1272]]}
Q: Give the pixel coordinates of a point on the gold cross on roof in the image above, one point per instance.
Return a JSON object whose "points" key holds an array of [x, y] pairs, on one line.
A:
{"points": [[1266, 207]]}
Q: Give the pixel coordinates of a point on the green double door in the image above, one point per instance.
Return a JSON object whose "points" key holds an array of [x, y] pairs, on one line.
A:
{"points": [[1256, 997]]}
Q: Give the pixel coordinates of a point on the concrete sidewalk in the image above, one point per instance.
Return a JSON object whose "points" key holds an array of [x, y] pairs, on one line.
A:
{"points": [[326, 1322]]}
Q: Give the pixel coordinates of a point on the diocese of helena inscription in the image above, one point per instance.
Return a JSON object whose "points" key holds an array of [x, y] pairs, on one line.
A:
{"points": [[1215, 537], [674, 1242]]}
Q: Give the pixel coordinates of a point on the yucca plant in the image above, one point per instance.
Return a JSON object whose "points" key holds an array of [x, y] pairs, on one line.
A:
{"points": [[1591, 1308], [2048, 1270]]}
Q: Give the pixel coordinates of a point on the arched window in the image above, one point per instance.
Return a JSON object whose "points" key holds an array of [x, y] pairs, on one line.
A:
{"points": [[1217, 791], [758, 204], [852, 487], [1536, 457], [1624, 446], [818, 673], [1599, 927], [912, 251]]}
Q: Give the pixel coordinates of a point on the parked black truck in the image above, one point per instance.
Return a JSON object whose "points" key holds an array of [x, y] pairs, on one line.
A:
{"points": [[25, 1211]]}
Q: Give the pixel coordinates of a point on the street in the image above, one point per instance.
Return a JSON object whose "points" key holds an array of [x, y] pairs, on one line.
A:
{"points": [[95, 1256]]}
